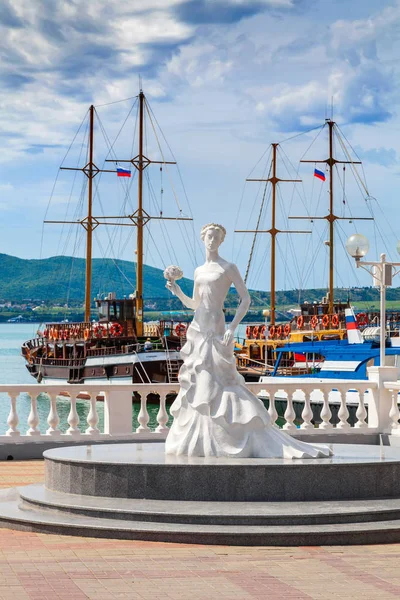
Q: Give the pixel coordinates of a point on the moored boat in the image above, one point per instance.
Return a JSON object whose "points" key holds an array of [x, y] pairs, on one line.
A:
{"points": [[117, 345]]}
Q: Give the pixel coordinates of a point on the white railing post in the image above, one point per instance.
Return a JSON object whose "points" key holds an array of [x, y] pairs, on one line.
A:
{"points": [[326, 413], [13, 420], [33, 418], [290, 414], [53, 418], [118, 411], [343, 412], [394, 413], [73, 417], [93, 417], [273, 413], [361, 412], [143, 416], [162, 415], [380, 398], [307, 413]]}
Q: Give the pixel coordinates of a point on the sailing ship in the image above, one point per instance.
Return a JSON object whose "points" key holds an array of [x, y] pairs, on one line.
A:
{"points": [[299, 346], [118, 345]]}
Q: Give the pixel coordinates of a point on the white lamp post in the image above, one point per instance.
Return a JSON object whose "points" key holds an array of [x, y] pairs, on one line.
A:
{"points": [[382, 273]]}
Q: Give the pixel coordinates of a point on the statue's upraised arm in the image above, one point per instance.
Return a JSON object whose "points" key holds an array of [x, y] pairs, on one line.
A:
{"points": [[193, 302]]}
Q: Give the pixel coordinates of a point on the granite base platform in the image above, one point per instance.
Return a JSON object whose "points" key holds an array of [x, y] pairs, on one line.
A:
{"points": [[144, 471], [136, 492]]}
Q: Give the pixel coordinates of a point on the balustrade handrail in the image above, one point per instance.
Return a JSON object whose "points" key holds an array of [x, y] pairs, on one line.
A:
{"points": [[392, 385]]}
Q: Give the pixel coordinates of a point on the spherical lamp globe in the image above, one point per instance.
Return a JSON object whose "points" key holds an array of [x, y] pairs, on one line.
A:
{"points": [[357, 246]]}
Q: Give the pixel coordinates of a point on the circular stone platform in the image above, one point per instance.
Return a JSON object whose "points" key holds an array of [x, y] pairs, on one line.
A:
{"points": [[133, 491], [143, 471]]}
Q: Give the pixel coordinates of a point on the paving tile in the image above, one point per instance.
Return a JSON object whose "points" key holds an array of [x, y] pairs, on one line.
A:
{"points": [[54, 567]]}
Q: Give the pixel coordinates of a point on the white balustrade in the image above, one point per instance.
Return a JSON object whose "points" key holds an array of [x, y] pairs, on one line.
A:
{"points": [[288, 397]]}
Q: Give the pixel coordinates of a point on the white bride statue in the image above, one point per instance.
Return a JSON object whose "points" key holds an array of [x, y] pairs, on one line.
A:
{"points": [[214, 413]]}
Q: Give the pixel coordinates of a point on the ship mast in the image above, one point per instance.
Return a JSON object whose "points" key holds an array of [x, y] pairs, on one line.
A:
{"points": [[89, 223], [273, 231], [88, 279], [139, 247], [139, 218], [331, 161]]}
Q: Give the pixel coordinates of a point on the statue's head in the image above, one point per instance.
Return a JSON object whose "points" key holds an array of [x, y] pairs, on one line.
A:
{"points": [[213, 235]]}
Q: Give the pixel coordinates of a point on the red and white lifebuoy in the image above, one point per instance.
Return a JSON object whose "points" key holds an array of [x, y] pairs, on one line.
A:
{"points": [[256, 329], [279, 331], [262, 332], [362, 319], [314, 321], [325, 321], [271, 332], [180, 330], [300, 321], [335, 321], [287, 329], [248, 331], [116, 330], [98, 331]]}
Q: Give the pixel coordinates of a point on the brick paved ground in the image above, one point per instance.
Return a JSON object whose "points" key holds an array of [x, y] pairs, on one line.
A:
{"points": [[48, 567]]}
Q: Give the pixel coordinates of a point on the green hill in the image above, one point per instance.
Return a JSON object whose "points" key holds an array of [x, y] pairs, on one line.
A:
{"points": [[61, 279]]}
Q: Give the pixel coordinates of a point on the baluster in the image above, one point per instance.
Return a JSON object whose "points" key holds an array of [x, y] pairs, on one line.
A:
{"points": [[361, 412], [93, 417], [394, 413], [13, 419], [53, 418], [307, 413], [73, 418], [290, 414], [162, 415], [326, 413], [273, 413], [343, 413], [33, 418], [143, 416]]}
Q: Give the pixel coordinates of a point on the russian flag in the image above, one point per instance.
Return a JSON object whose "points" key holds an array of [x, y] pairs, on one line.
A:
{"points": [[123, 172], [319, 174], [351, 322]]}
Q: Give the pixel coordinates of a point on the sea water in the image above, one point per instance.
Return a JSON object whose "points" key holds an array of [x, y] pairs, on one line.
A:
{"points": [[14, 371]]}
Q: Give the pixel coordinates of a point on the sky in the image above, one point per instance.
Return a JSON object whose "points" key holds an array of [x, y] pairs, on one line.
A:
{"points": [[224, 79]]}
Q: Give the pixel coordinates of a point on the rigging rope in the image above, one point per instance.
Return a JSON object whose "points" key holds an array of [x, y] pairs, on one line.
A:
{"points": [[257, 226]]}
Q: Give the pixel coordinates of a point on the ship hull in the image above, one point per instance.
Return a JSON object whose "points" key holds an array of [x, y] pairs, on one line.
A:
{"points": [[151, 367]]}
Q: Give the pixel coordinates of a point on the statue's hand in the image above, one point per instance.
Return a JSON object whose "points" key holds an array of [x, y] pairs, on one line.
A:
{"points": [[229, 336], [172, 287]]}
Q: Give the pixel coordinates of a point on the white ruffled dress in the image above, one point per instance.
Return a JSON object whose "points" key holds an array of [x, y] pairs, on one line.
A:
{"points": [[214, 413]]}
